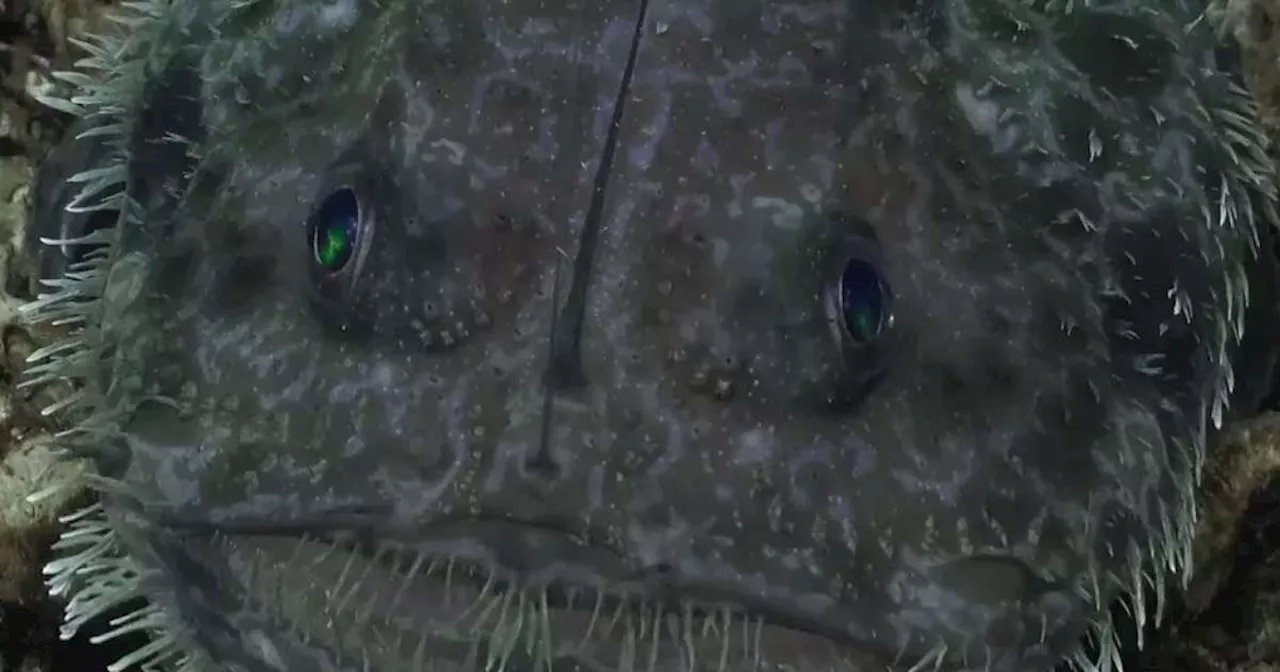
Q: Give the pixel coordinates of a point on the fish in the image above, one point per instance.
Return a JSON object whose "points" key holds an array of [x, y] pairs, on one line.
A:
{"points": [[647, 334]]}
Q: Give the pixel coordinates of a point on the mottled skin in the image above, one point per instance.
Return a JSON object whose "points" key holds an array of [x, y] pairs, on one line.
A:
{"points": [[574, 355]]}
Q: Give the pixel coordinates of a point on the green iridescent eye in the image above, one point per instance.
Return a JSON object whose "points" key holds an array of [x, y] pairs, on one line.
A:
{"points": [[863, 299], [335, 231]]}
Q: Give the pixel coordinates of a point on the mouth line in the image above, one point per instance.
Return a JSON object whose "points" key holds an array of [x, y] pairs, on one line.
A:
{"points": [[473, 599]]}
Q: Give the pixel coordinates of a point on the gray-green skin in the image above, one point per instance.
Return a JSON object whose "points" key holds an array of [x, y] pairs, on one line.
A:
{"points": [[588, 343]]}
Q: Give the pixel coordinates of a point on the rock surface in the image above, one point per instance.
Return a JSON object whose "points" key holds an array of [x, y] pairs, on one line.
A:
{"points": [[34, 40]]}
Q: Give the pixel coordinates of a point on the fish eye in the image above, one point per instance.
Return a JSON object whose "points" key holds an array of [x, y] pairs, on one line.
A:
{"points": [[859, 301], [336, 232]]}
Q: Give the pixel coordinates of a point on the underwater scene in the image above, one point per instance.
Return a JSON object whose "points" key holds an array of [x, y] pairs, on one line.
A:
{"points": [[639, 335]]}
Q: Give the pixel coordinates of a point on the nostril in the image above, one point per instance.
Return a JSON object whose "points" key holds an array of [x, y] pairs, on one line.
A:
{"points": [[1002, 603], [985, 580], [992, 590]]}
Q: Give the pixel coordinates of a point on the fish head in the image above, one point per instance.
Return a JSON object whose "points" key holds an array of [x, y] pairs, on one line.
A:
{"points": [[691, 334]]}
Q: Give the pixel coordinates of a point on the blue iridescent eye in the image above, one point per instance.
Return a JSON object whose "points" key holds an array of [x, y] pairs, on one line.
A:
{"points": [[863, 301], [335, 231]]}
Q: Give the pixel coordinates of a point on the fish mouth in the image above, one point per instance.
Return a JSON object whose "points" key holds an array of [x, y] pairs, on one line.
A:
{"points": [[480, 594]]}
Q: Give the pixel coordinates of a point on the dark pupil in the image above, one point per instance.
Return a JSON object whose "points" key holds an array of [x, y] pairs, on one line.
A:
{"points": [[861, 300], [336, 225]]}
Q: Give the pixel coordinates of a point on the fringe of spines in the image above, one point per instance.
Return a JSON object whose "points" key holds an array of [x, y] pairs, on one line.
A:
{"points": [[91, 570]]}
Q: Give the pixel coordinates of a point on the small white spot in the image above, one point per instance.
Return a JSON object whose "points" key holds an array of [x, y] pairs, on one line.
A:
{"points": [[340, 14], [754, 446], [258, 642], [457, 151], [985, 117], [786, 215], [810, 193]]}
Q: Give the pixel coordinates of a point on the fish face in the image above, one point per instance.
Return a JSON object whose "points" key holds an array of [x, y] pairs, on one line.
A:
{"points": [[697, 335]]}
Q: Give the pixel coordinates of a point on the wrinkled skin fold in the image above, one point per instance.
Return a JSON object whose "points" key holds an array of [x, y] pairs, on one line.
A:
{"points": [[585, 393]]}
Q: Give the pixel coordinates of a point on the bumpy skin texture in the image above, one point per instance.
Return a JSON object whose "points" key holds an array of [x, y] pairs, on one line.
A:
{"points": [[588, 341]]}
